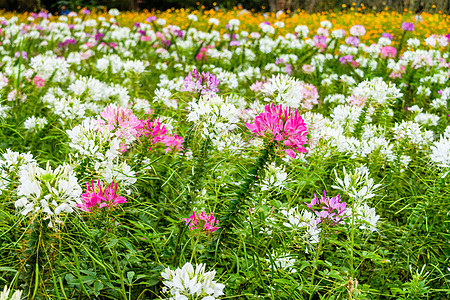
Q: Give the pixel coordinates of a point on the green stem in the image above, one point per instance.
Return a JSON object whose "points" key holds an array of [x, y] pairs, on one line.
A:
{"points": [[243, 192], [120, 272], [316, 258], [352, 239]]}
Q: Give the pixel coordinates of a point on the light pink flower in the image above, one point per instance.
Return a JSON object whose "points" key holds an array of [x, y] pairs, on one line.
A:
{"points": [[329, 209], [121, 121], [357, 30], [356, 100], [308, 69], [257, 86]]}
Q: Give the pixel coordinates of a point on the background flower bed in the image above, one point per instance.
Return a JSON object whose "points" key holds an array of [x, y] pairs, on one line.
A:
{"points": [[111, 139]]}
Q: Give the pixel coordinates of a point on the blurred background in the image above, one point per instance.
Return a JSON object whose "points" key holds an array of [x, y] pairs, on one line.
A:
{"points": [[311, 6]]}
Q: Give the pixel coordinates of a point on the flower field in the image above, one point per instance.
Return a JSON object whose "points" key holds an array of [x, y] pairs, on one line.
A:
{"points": [[224, 155]]}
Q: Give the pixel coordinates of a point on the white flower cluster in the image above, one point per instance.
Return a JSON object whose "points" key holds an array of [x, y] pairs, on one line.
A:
{"points": [[11, 164], [412, 133], [33, 124], [48, 192], [217, 118], [378, 91], [289, 91], [187, 283], [359, 187], [440, 152], [102, 149], [282, 261], [305, 222], [275, 178], [5, 294]]}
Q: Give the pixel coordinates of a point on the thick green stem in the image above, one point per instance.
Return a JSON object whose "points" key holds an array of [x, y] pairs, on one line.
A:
{"points": [[243, 192]]}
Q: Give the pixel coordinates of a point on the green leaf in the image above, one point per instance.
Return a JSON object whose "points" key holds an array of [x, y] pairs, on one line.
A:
{"points": [[112, 243], [98, 286], [130, 276]]}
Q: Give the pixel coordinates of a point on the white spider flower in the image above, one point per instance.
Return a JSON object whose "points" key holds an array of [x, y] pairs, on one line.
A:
{"points": [[185, 283], [358, 185], [48, 192], [17, 295]]}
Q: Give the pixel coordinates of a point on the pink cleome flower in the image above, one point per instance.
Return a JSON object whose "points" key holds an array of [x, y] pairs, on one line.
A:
{"points": [[281, 125], [203, 222], [38, 81], [329, 209], [156, 132], [388, 51], [121, 121], [97, 196], [200, 82]]}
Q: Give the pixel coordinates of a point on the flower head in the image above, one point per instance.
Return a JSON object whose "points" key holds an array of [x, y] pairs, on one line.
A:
{"points": [[156, 132], [38, 81], [97, 196], [388, 51], [329, 209], [187, 283], [408, 26], [357, 30], [121, 122], [203, 222], [281, 125], [200, 82]]}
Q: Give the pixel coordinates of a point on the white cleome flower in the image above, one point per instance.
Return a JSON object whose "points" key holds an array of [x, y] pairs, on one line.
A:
{"points": [[185, 283], [17, 295], [48, 192]]}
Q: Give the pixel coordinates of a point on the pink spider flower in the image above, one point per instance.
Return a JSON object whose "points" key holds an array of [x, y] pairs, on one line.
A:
{"points": [[356, 100], [200, 82], [202, 54], [398, 74], [257, 86], [281, 125], [329, 209], [388, 51], [309, 94], [38, 81], [203, 222], [97, 196], [156, 132], [121, 121]]}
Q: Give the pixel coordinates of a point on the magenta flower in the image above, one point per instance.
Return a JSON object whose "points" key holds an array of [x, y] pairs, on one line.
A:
{"points": [[203, 83], [97, 196], [281, 125], [203, 222], [38, 81], [408, 26], [329, 209], [156, 132], [202, 54]]}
